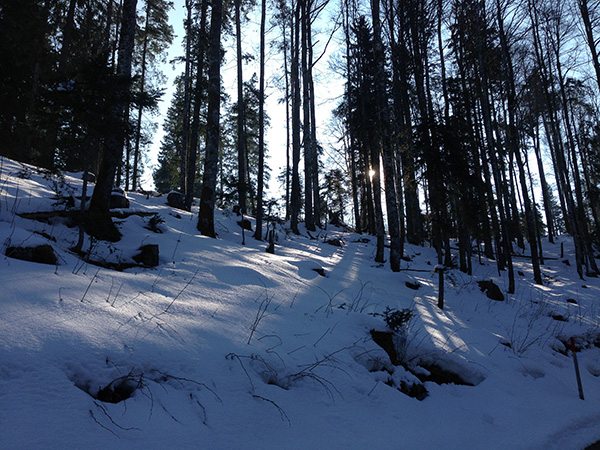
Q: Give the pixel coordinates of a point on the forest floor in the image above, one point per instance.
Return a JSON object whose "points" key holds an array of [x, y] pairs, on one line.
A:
{"points": [[224, 346]]}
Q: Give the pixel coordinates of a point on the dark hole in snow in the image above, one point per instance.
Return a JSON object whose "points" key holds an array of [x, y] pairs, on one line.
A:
{"points": [[414, 390], [521, 273], [566, 262], [559, 317], [572, 301], [440, 375], [116, 391]]}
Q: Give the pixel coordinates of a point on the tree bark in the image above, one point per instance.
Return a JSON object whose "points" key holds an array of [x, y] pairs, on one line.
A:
{"points": [[99, 221], [261, 125], [206, 216]]}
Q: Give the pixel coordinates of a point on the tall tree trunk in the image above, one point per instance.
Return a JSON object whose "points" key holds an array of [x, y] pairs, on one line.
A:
{"points": [[99, 221], [385, 143], [206, 216], [241, 116], [261, 125], [313, 129], [199, 90], [513, 142], [187, 88], [306, 126], [138, 125], [295, 199]]}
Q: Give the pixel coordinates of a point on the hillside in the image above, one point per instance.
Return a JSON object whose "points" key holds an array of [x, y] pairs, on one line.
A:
{"points": [[224, 346]]}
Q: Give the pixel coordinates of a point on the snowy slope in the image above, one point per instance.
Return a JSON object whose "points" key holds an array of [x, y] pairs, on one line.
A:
{"points": [[227, 347]]}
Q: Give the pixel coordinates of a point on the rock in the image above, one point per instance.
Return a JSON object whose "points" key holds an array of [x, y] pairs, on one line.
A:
{"points": [[176, 200], [43, 254], [148, 255], [491, 289], [572, 301], [335, 242], [118, 199], [245, 224], [385, 340], [320, 271], [566, 262], [414, 285]]}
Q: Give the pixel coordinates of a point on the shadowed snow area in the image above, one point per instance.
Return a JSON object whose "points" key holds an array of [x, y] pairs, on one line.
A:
{"points": [[224, 346]]}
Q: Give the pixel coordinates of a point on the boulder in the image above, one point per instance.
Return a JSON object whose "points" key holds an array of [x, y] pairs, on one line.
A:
{"points": [[176, 200], [414, 285], [320, 271], [43, 254], [118, 199], [148, 255], [335, 242], [491, 289]]}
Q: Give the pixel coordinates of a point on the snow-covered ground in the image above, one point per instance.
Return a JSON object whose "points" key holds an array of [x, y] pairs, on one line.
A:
{"points": [[224, 346]]}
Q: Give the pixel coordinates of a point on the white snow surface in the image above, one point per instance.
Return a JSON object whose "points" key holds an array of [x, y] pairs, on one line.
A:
{"points": [[229, 347]]}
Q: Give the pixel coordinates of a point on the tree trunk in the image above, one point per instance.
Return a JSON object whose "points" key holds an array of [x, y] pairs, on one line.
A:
{"points": [[295, 82], [138, 127], [261, 125], [206, 216], [241, 116], [99, 221], [199, 90], [385, 142], [185, 133]]}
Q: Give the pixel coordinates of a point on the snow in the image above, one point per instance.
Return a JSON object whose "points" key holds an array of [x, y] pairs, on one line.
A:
{"points": [[229, 347]]}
